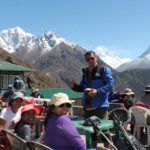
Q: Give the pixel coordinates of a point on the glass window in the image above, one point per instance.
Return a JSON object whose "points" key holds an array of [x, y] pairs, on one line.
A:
{"points": [[4, 81]]}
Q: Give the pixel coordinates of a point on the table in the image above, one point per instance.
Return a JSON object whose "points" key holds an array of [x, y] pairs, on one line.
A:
{"points": [[105, 125]]}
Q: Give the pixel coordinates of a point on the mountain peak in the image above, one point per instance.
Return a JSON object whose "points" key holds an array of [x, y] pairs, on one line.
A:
{"points": [[109, 58], [16, 30]]}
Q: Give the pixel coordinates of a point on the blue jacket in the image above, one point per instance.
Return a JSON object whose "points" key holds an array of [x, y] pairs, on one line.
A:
{"points": [[102, 81]]}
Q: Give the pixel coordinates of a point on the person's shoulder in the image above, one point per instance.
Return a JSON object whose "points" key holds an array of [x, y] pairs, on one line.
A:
{"points": [[107, 69], [63, 118], [4, 110], [26, 126]]}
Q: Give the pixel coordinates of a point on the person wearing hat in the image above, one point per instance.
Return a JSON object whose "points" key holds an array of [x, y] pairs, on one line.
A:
{"points": [[19, 84], [35, 93], [146, 97], [12, 114], [60, 133], [23, 127], [128, 98]]}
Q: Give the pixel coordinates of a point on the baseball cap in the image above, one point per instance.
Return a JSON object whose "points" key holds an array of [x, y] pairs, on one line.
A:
{"points": [[59, 98], [16, 95], [27, 108]]}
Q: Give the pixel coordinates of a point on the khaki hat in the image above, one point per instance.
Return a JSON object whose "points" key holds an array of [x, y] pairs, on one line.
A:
{"points": [[147, 88], [128, 91], [59, 98]]}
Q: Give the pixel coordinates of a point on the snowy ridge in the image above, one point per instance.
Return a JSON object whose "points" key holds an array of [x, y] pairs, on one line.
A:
{"points": [[15, 38], [109, 58], [142, 62], [31, 48]]}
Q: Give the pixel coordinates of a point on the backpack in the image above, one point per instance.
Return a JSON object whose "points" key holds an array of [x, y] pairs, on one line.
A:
{"points": [[19, 85]]}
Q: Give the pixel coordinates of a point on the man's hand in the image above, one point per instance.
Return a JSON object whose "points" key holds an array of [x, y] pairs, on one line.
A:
{"points": [[72, 83], [91, 91]]}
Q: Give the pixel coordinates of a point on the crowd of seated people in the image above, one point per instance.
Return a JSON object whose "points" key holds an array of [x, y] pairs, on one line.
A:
{"points": [[19, 116]]}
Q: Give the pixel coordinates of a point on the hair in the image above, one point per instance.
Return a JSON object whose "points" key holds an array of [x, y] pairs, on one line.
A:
{"points": [[89, 53], [10, 102], [50, 112]]}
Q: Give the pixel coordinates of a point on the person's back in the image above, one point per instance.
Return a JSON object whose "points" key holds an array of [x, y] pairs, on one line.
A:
{"points": [[19, 84]]}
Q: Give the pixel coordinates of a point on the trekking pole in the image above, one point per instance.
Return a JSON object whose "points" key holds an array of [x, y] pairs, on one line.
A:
{"points": [[98, 131], [124, 133]]}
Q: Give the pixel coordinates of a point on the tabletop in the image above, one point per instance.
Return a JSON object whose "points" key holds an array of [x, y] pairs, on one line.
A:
{"points": [[104, 125]]}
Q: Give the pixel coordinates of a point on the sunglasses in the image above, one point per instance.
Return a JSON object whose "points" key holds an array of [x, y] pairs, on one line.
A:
{"points": [[90, 58], [65, 105]]}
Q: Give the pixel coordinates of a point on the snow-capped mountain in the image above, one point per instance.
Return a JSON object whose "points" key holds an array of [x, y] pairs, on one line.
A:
{"points": [[28, 46], [11, 39], [142, 62], [109, 58]]}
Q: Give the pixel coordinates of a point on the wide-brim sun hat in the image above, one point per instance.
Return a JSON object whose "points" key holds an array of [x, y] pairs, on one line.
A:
{"points": [[147, 88], [127, 91], [59, 98]]}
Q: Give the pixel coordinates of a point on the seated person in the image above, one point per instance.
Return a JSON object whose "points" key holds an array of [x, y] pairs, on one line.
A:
{"points": [[19, 84], [22, 128], [8, 93], [127, 98], [146, 96], [36, 94], [11, 114], [60, 133]]}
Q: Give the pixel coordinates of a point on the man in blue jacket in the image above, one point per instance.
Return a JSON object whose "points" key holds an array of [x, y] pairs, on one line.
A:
{"points": [[96, 83]]}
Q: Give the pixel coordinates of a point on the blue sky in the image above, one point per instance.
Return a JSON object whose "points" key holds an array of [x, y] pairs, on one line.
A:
{"points": [[122, 26]]}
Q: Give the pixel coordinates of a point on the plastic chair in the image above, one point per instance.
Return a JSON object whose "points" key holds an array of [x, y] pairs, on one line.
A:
{"points": [[140, 116], [16, 142], [33, 145]]}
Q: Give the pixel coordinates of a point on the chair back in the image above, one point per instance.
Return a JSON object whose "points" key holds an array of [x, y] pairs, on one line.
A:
{"points": [[17, 143], [33, 145], [140, 114], [113, 106]]}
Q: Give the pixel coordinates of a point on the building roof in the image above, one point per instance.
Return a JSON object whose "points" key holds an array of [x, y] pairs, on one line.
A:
{"points": [[6, 66], [47, 93]]}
